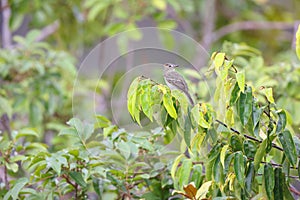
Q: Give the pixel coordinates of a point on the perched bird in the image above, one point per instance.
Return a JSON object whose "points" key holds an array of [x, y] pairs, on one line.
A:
{"points": [[175, 81]]}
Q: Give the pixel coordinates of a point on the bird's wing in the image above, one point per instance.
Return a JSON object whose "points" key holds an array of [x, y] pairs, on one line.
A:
{"points": [[177, 80]]}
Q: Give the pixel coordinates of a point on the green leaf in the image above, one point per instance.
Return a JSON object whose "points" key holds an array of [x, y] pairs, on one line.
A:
{"points": [[96, 8], [240, 78], [235, 143], [109, 130], [35, 113], [12, 166], [239, 168], [77, 177], [54, 164], [256, 113], [269, 94], [187, 131], [298, 42], [235, 93], [101, 122], [167, 24], [168, 104], [281, 123], [76, 123], [69, 132], [5, 107], [288, 145], [184, 172], [249, 148], [245, 105], [197, 175], [269, 181], [260, 153], [279, 183], [27, 132], [180, 96], [131, 96], [124, 148], [15, 190], [146, 101], [218, 171], [250, 175], [227, 163], [223, 154], [87, 131]]}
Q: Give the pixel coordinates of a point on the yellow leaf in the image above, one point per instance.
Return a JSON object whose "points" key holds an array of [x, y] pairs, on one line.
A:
{"points": [[240, 78], [223, 154], [175, 165], [168, 104], [160, 4], [203, 190], [219, 60], [269, 94]]}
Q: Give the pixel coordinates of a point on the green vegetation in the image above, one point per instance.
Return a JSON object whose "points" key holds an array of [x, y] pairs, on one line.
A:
{"points": [[239, 141]]}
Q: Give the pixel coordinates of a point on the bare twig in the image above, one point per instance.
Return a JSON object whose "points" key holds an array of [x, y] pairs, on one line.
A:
{"points": [[250, 25], [6, 33], [294, 190]]}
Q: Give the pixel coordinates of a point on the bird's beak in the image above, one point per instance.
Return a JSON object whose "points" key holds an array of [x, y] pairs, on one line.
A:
{"points": [[176, 65]]}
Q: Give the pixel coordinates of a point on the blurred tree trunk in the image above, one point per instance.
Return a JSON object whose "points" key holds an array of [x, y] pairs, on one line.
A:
{"points": [[5, 31]]}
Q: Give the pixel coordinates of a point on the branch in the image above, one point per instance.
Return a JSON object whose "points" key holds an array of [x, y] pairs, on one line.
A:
{"points": [[6, 33], [5, 125], [208, 24], [48, 30], [294, 190], [248, 136], [250, 25]]}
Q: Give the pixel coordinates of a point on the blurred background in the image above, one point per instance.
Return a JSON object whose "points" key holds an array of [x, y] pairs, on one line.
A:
{"points": [[46, 43]]}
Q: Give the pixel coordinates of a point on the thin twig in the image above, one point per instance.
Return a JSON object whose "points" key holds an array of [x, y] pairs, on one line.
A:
{"points": [[273, 164], [5, 178], [248, 136]]}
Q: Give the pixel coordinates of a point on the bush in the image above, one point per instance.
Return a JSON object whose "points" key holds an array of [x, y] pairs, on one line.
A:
{"points": [[240, 145]]}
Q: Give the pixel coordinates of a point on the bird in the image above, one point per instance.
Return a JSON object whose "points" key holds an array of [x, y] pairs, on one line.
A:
{"points": [[176, 81]]}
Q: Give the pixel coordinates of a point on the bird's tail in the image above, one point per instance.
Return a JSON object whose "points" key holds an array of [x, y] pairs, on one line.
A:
{"points": [[189, 97]]}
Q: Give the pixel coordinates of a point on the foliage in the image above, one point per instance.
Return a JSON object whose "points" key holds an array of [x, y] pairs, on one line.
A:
{"points": [[45, 74], [242, 144], [101, 158], [240, 164]]}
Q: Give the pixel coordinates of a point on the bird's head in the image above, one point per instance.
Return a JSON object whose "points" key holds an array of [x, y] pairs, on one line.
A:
{"points": [[170, 66]]}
